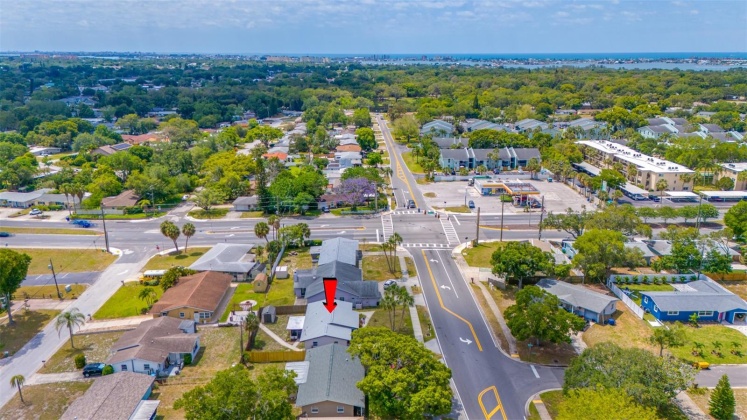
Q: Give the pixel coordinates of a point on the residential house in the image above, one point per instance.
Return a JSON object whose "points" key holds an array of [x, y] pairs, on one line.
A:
{"points": [[656, 131], [126, 198], [119, 396], [349, 148], [141, 139], [108, 150], [338, 249], [348, 159], [281, 156], [246, 203], [727, 136], [711, 128], [41, 197], [705, 298], [438, 128], [639, 169], [351, 287], [451, 142], [530, 124], [155, 346], [44, 151], [580, 300], [732, 170], [588, 128], [662, 248], [329, 389], [321, 327], [469, 158], [196, 297], [471, 125], [233, 259]]}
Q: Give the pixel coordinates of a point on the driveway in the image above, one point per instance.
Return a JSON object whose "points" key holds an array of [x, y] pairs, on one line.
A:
{"points": [[48, 378], [87, 277]]}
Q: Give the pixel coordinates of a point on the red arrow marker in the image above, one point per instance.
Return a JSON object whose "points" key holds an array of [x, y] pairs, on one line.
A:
{"points": [[330, 287]]}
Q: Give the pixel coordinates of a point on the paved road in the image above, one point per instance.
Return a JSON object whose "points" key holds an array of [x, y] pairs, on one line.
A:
{"points": [[737, 376], [88, 277]]}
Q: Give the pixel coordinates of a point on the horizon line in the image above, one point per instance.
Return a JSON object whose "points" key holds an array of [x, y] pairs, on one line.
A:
{"points": [[362, 53]]}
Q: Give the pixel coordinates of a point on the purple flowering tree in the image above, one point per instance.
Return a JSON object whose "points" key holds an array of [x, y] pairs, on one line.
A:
{"points": [[355, 190]]}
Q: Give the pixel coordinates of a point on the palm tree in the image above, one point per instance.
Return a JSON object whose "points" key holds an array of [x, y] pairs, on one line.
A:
{"points": [[17, 382], [481, 169], [661, 185], [148, 295], [169, 230], [262, 229], [406, 300], [144, 204], [387, 171], [65, 189], [188, 230], [274, 221], [78, 191], [251, 323], [70, 319], [304, 231]]}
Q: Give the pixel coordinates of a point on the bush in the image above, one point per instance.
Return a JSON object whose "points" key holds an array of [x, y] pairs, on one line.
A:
{"points": [[645, 279], [133, 210], [187, 359], [108, 370], [80, 361]]}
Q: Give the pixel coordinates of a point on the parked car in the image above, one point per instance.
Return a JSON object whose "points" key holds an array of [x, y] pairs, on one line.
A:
{"points": [[5, 234], [389, 283], [93, 369], [35, 212], [471, 204], [655, 198]]}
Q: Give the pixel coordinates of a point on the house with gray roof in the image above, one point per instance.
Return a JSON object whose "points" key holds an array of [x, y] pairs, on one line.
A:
{"points": [[451, 142], [711, 128], [581, 301], [330, 388], [339, 249], [351, 287], [233, 259], [439, 128], [474, 125], [705, 298], [321, 327], [246, 203], [509, 158], [119, 396], [41, 197]]}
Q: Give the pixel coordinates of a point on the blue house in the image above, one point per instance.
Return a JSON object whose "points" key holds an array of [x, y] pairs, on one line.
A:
{"points": [[707, 299]]}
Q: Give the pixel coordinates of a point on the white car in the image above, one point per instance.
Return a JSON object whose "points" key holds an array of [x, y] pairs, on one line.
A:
{"points": [[389, 283], [35, 212]]}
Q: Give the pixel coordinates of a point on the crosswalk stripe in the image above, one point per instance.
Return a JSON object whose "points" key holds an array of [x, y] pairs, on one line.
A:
{"points": [[387, 226], [449, 230]]}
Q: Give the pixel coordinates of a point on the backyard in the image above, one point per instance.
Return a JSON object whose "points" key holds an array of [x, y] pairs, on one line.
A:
{"points": [[125, 302], [638, 288], [164, 262], [26, 325], [44, 402], [67, 260], [95, 347], [280, 293], [739, 288], [629, 331], [296, 259], [480, 255]]}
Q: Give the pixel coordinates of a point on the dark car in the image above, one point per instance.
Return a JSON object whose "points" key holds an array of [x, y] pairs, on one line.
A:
{"points": [[93, 369], [471, 204], [5, 234], [411, 204], [655, 198]]}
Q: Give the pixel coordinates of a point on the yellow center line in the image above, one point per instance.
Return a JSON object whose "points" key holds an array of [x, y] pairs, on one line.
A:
{"points": [[441, 302], [400, 171], [499, 407]]}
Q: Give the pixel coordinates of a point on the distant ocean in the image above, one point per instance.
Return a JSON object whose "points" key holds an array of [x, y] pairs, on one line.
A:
{"points": [[546, 56]]}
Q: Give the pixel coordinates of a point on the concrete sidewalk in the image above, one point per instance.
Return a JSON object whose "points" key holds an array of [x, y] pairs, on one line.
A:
{"points": [[277, 338]]}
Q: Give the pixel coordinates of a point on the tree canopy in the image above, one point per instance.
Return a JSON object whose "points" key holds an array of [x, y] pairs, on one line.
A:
{"points": [[520, 261], [538, 315]]}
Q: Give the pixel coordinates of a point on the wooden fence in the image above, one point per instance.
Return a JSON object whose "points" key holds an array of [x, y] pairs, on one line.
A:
{"points": [[276, 356], [625, 299]]}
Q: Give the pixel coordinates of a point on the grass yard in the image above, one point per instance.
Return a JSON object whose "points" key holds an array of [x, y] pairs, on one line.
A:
{"points": [[411, 164], [219, 351], [48, 231], [95, 347], [410, 265], [41, 292], [707, 335], [125, 302], [492, 320], [638, 288], [740, 394], [629, 331], [264, 342], [429, 194], [136, 216], [425, 323], [296, 259], [67, 260], [552, 400], [164, 262], [739, 288], [375, 268], [47, 401], [458, 209], [210, 214], [280, 293], [252, 214], [480, 255], [380, 318], [279, 327], [370, 247], [421, 181], [26, 324]]}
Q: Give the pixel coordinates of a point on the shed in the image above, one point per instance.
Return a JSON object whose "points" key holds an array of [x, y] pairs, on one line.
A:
{"points": [[295, 326], [260, 283], [281, 272], [269, 315]]}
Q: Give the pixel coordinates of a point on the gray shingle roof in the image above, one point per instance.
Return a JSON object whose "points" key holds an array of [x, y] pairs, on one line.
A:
{"points": [[250, 200], [111, 397], [341, 271], [705, 296], [455, 154], [577, 296], [527, 153], [362, 289], [333, 375], [319, 322], [153, 340], [339, 249], [226, 258]]}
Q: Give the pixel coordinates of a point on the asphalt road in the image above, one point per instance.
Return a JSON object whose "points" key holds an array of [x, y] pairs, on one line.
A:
{"points": [[88, 277]]}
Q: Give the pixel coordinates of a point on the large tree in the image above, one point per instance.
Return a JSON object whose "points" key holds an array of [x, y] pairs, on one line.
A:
{"points": [[521, 260], [366, 138], [722, 403], [736, 218], [650, 380], [233, 394], [538, 314], [13, 269], [261, 230], [171, 231], [598, 250], [356, 190], [571, 222], [403, 378], [406, 127], [362, 117], [188, 230], [668, 337], [208, 197], [602, 404]]}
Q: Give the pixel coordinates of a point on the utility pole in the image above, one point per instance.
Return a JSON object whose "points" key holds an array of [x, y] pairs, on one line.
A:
{"points": [[697, 221], [542, 214], [54, 276], [477, 235], [502, 204], [106, 234]]}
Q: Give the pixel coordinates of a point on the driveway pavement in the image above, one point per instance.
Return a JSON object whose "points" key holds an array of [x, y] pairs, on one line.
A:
{"points": [[709, 377], [49, 378]]}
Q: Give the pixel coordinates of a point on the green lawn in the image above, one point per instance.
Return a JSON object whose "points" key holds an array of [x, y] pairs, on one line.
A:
{"points": [[638, 288], [480, 255], [375, 268], [280, 293], [411, 164], [296, 259], [95, 347], [458, 209], [164, 262], [48, 231], [26, 324], [380, 318], [44, 402], [425, 323], [212, 214], [252, 214], [707, 335], [410, 265], [43, 292], [67, 260], [136, 216], [125, 302], [629, 331], [552, 400]]}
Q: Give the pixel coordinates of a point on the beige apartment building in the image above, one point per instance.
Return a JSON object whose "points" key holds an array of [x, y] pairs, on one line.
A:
{"points": [[639, 169], [732, 170]]}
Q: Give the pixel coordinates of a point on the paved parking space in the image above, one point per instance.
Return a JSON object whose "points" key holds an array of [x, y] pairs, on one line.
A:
{"points": [[558, 197]]}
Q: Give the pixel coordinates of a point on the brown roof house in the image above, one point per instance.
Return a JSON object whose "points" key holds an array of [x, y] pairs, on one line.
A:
{"points": [[120, 396], [156, 346], [196, 297], [126, 198], [348, 148]]}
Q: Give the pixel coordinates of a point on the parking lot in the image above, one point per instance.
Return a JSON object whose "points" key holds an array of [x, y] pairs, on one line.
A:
{"points": [[558, 197]]}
